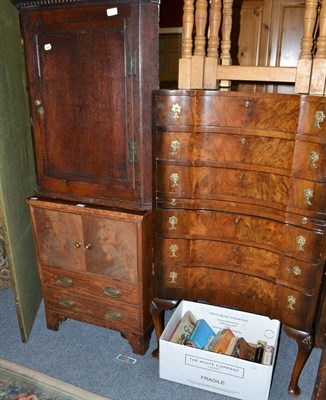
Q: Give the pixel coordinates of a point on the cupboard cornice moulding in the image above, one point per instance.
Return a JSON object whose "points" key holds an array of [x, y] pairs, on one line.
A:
{"points": [[21, 4]]}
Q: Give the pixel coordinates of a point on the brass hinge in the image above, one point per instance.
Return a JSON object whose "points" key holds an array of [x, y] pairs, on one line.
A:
{"points": [[131, 63], [132, 149]]}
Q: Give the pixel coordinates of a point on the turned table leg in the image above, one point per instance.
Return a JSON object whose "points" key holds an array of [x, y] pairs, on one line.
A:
{"points": [[305, 343], [158, 308]]}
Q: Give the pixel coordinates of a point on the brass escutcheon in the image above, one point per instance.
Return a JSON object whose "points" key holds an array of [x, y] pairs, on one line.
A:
{"points": [[173, 249], [173, 276], [175, 144], [174, 177], [173, 222], [175, 111]]}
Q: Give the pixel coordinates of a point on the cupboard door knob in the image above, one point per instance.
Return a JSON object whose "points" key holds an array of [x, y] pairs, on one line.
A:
{"points": [[77, 245], [67, 303], [291, 302], [38, 102], [113, 315], [87, 247], [112, 292], [295, 270], [64, 281]]}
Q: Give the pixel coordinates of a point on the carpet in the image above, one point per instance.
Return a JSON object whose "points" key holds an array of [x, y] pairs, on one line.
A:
{"points": [[20, 383]]}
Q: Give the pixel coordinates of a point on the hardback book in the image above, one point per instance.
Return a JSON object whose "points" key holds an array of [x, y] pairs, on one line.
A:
{"points": [[231, 346], [268, 355], [183, 328], [212, 340], [244, 350], [224, 340], [200, 335]]}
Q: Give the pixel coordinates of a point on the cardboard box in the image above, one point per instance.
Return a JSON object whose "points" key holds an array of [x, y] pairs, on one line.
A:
{"points": [[215, 372]]}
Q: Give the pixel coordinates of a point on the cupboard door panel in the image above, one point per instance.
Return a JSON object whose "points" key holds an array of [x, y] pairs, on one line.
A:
{"points": [[59, 239], [111, 248], [76, 128]]}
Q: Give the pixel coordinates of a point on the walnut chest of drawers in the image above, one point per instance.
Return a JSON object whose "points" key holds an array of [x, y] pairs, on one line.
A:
{"points": [[95, 266], [240, 205]]}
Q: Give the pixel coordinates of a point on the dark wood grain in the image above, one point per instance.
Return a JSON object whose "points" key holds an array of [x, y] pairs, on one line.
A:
{"points": [[90, 79], [93, 261], [240, 213]]}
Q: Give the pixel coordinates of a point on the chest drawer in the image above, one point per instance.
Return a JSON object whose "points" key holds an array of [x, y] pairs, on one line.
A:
{"points": [[252, 111], [231, 110], [209, 148], [230, 288], [310, 160], [89, 285], [265, 233], [108, 313], [277, 191], [313, 116], [171, 254]]}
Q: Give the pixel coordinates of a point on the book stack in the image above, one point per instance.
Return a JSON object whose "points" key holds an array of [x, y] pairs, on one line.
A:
{"points": [[197, 333]]}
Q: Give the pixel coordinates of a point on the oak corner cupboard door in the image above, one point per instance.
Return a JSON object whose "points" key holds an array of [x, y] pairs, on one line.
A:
{"points": [[92, 66]]}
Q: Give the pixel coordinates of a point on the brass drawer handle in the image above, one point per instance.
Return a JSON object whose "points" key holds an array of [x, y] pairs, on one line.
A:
{"points": [[64, 281], [304, 220], [112, 292], [87, 247], [241, 175], [243, 141], [314, 157], [319, 118], [173, 276], [175, 144], [291, 302], [67, 303], [175, 111], [77, 245], [174, 177], [113, 315], [173, 222], [308, 195], [301, 241], [294, 270], [173, 249]]}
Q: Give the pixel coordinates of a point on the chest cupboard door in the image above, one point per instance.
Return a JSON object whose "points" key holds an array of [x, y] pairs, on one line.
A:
{"points": [[82, 83]]}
